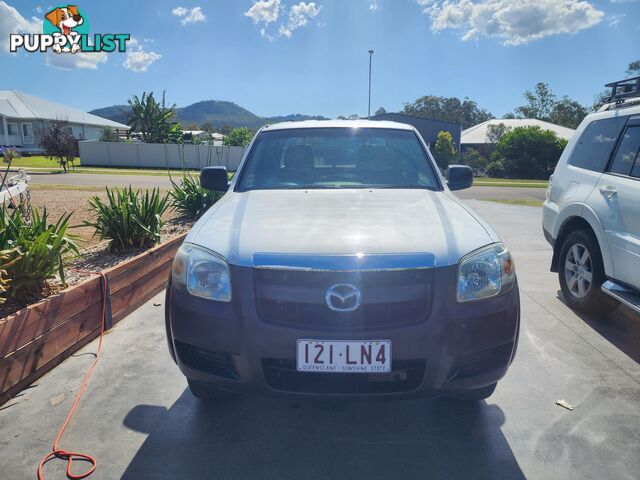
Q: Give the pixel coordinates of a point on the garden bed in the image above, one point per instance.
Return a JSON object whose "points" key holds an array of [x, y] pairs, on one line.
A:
{"points": [[37, 338]]}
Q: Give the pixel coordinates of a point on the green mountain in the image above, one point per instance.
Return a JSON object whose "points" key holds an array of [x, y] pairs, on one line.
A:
{"points": [[217, 112]]}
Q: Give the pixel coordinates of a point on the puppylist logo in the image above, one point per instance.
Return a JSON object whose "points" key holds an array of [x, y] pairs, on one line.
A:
{"points": [[66, 30]]}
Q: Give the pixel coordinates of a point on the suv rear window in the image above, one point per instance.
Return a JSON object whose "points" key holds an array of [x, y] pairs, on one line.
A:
{"points": [[627, 151], [316, 158], [596, 144]]}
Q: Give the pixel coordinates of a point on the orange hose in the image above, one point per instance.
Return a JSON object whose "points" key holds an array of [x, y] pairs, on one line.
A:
{"points": [[69, 456]]}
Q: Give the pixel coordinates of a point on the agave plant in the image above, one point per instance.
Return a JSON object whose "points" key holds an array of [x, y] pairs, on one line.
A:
{"points": [[33, 252], [191, 200], [129, 218]]}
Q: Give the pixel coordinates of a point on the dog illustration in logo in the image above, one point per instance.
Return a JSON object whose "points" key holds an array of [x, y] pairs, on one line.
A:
{"points": [[66, 19]]}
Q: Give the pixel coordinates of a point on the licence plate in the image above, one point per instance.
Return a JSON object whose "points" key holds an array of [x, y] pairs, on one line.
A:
{"points": [[344, 356]]}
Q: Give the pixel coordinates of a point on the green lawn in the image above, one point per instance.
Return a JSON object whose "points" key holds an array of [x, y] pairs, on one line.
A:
{"points": [[38, 162], [508, 182], [43, 163], [526, 203]]}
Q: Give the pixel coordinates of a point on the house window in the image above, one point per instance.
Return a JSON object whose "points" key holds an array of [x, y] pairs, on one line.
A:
{"points": [[12, 129], [27, 133]]}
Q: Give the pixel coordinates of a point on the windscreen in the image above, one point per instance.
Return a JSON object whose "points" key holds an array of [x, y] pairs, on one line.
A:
{"points": [[337, 158]]}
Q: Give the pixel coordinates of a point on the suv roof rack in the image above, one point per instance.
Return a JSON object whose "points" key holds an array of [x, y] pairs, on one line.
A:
{"points": [[622, 91]]}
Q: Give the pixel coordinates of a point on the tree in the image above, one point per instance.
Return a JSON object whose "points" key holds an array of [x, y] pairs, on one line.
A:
{"points": [[448, 109], [474, 159], [109, 135], [444, 150], [381, 111], [152, 119], [568, 113], [540, 103], [58, 143], [496, 132], [529, 152], [238, 137], [634, 69]]}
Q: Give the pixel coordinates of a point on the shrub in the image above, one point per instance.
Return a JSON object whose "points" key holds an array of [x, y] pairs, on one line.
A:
{"points": [[474, 159], [444, 150], [129, 219], [108, 134], [189, 199], [496, 169], [529, 152], [238, 137], [34, 251]]}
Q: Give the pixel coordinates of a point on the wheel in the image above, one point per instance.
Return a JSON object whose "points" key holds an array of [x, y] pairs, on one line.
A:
{"points": [[207, 393], [477, 394], [581, 274]]}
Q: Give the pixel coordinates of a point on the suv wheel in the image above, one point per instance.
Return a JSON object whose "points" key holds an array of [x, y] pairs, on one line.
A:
{"points": [[581, 274], [477, 394], [208, 393]]}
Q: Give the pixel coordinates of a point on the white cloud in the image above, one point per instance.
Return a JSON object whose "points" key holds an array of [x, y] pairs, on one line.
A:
{"points": [[12, 22], [138, 60], [264, 11], [71, 61], [516, 22], [299, 16], [373, 6], [189, 15], [614, 20]]}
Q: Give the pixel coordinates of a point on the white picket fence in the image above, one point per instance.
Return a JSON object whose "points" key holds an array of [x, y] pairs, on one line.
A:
{"points": [[158, 155]]}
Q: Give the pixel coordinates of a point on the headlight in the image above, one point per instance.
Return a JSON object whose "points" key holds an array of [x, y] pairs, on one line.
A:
{"points": [[202, 273], [485, 273]]}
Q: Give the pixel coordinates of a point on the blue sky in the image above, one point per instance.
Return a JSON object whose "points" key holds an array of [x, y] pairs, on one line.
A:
{"points": [[276, 57]]}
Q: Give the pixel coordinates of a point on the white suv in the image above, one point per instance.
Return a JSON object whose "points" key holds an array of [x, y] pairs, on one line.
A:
{"points": [[592, 212]]}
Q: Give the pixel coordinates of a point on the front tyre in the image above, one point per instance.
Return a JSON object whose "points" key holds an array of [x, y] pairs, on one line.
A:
{"points": [[581, 274]]}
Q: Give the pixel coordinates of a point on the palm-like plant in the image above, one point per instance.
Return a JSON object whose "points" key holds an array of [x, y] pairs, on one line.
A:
{"points": [[129, 218], [152, 119], [190, 199], [33, 252]]}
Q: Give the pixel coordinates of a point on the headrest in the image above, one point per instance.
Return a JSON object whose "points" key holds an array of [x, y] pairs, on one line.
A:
{"points": [[299, 158]]}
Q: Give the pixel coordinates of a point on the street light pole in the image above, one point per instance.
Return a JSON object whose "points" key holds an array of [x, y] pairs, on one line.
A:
{"points": [[370, 60]]}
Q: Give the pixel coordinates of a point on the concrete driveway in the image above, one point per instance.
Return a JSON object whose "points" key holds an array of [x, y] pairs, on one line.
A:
{"points": [[139, 420]]}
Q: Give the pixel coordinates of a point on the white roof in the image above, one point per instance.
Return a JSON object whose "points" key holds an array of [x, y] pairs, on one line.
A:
{"points": [[340, 124], [478, 133], [21, 105]]}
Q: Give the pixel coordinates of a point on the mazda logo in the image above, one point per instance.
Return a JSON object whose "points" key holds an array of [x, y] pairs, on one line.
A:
{"points": [[343, 298]]}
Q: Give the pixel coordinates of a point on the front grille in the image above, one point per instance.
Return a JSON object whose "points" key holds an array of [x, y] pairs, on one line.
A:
{"points": [[215, 363], [282, 375], [297, 298]]}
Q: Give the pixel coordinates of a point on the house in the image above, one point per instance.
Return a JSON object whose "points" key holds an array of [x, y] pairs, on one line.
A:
{"points": [[427, 127], [23, 116], [214, 139], [477, 136]]}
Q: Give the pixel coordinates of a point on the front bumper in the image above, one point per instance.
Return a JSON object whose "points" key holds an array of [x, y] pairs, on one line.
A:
{"points": [[455, 347]]}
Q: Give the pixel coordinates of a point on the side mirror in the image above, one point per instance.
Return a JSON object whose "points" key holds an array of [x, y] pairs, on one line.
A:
{"points": [[214, 178], [459, 177]]}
